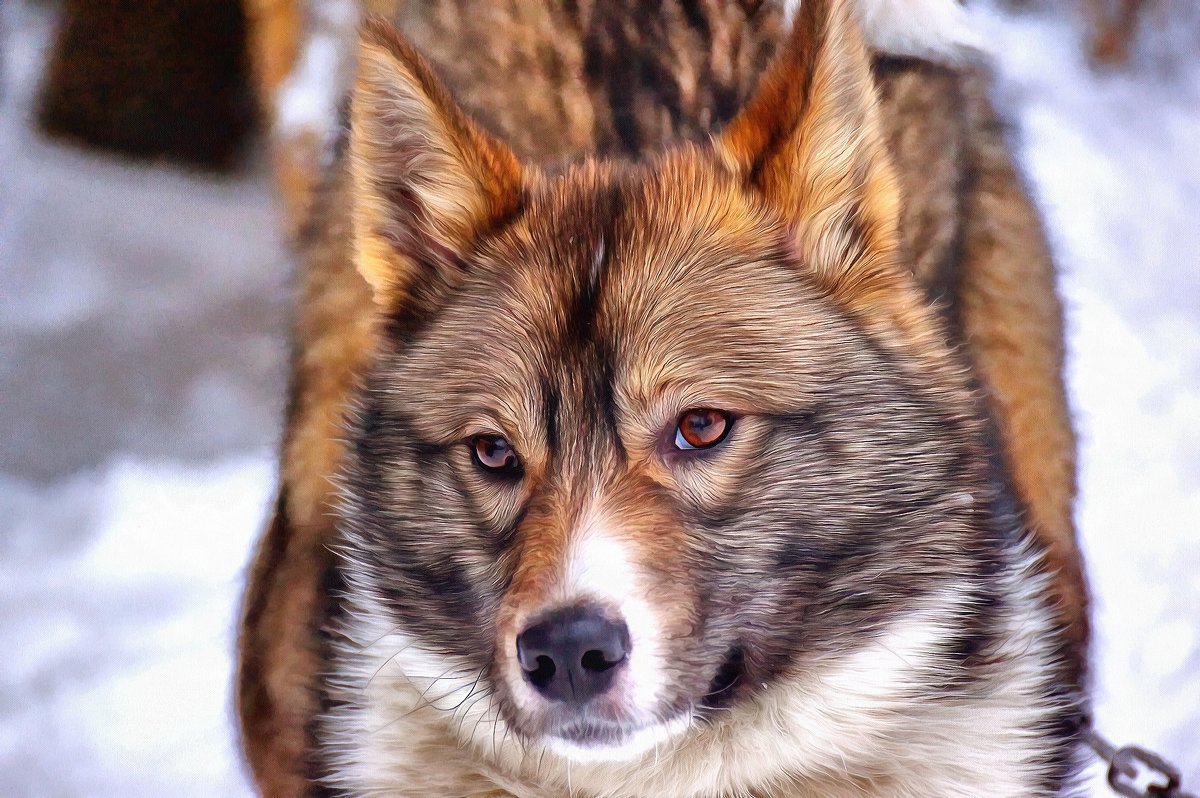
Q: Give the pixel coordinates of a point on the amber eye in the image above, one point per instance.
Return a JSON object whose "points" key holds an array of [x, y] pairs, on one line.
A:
{"points": [[494, 453], [702, 429]]}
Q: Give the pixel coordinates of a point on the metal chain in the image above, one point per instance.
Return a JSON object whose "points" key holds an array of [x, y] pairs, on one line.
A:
{"points": [[1130, 766]]}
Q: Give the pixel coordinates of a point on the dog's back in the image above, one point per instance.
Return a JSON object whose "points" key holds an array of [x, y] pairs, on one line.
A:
{"points": [[556, 83]]}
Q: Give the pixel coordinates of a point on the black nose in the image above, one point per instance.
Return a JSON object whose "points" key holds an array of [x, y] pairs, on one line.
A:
{"points": [[572, 654]]}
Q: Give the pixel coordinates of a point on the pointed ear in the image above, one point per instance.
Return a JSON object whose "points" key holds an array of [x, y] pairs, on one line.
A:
{"points": [[426, 180], [809, 140]]}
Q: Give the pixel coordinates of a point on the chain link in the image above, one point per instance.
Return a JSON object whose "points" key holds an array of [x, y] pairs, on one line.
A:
{"points": [[1131, 766]]}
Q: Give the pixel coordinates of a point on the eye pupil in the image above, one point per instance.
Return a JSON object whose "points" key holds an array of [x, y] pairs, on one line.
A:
{"points": [[702, 429], [494, 453]]}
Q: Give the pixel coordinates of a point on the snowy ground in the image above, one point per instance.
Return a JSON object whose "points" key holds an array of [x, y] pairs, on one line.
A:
{"points": [[141, 371]]}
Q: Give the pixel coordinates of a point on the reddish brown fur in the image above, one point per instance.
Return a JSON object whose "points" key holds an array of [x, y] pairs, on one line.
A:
{"points": [[1011, 318], [279, 649]]}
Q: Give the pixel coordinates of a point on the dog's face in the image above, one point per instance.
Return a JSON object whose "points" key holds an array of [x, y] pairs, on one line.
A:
{"points": [[643, 439]]}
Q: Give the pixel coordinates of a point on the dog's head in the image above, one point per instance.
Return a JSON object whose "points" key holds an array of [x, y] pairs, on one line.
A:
{"points": [[644, 438]]}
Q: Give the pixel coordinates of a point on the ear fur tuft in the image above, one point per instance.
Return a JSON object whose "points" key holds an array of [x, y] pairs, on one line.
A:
{"points": [[427, 181], [810, 141]]}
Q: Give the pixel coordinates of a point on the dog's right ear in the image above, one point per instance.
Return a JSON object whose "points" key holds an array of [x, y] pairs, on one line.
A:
{"points": [[427, 181]]}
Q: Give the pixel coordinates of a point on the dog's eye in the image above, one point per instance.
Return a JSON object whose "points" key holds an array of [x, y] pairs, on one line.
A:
{"points": [[702, 429], [494, 453]]}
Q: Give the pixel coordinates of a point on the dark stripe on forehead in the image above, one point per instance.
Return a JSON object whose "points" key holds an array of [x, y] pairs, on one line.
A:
{"points": [[606, 400], [598, 217], [588, 347], [551, 399], [585, 412]]}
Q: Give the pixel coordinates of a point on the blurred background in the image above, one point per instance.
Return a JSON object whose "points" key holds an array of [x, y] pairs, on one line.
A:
{"points": [[144, 292]]}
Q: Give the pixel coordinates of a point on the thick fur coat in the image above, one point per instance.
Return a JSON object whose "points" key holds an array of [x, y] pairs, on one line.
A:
{"points": [[539, 256]]}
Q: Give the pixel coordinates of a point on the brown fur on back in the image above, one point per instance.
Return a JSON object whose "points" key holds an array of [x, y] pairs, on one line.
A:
{"points": [[600, 77]]}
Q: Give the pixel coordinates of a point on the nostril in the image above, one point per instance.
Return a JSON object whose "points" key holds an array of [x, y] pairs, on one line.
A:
{"points": [[597, 661], [542, 673]]}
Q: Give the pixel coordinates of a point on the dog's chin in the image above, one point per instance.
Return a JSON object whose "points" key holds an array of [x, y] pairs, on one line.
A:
{"points": [[615, 743]]}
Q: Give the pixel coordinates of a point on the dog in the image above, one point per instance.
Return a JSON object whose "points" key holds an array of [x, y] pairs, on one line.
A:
{"points": [[676, 410]]}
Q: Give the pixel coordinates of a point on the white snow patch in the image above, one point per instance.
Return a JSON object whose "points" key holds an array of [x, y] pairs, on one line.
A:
{"points": [[307, 102], [308, 98], [117, 672], [939, 30]]}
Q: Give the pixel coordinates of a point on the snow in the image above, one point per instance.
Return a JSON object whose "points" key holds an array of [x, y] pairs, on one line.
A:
{"points": [[117, 678], [142, 365], [307, 101], [142, 351]]}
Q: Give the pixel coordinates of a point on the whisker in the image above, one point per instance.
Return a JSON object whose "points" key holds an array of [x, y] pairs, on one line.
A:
{"points": [[470, 692], [495, 724], [486, 694]]}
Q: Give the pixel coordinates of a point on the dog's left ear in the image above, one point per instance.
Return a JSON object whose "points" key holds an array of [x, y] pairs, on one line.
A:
{"points": [[810, 141], [427, 181]]}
